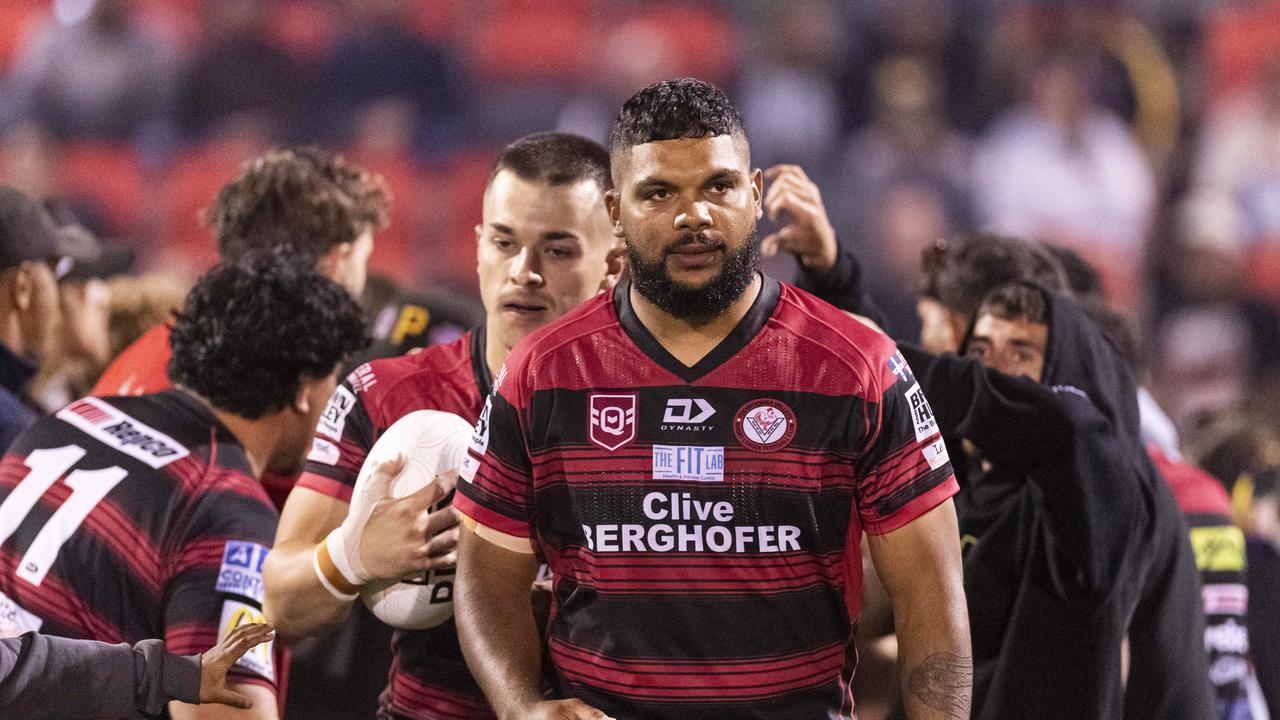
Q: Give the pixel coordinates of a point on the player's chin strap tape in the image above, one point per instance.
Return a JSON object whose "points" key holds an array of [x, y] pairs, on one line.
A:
{"points": [[331, 576]]}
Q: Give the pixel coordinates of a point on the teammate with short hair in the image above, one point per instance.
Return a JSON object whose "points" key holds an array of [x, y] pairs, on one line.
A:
{"points": [[128, 518], [697, 455], [544, 246]]}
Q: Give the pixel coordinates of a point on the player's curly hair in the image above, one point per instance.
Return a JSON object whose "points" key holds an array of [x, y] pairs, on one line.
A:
{"points": [[250, 329], [304, 198], [674, 109]]}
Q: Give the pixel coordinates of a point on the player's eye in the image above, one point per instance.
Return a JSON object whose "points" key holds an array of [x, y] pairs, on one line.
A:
{"points": [[560, 253], [503, 244], [658, 194], [721, 186], [977, 352]]}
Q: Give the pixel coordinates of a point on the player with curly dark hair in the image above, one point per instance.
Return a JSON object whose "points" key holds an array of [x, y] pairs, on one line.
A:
{"points": [[143, 517]]}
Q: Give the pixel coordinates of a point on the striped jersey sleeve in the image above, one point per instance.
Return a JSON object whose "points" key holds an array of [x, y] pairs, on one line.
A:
{"points": [[904, 470], [496, 491], [344, 435], [216, 580]]}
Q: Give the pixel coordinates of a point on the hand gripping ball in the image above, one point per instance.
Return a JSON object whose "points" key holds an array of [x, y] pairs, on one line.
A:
{"points": [[434, 444]]}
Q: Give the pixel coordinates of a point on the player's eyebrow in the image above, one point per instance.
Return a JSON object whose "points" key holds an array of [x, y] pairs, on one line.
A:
{"points": [[1029, 345], [559, 235], [653, 183], [504, 229], [725, 175]]}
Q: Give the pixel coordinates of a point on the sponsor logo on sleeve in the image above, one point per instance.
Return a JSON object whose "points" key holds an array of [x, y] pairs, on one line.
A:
{"points": [[113, 428], [241, 571], [921, 414], [935, 453], [690, 463], [362, 378], [324, 452], [470, 465], [1225, 599], [898, 366], [258, 658], [334, 418], [480, 435], [14, 620], [1219, 548], [764, 425], [613, 420]]}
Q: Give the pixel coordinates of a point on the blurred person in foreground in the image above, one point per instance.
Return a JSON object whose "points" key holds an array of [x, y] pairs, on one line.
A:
{"points": [[610, 435], [45, 676], [129, 518]]}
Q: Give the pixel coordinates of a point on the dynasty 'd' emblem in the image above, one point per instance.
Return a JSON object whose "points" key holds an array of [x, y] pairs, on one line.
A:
{"points": [[765, 425], [613, 420]]}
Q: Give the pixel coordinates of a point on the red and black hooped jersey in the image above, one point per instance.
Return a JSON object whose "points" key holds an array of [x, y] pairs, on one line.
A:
{"points": [[128, 518], [703, 523], [429, 678]]}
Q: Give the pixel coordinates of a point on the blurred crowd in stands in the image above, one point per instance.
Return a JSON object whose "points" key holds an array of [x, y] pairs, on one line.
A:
{"points": [[1145, 136]]}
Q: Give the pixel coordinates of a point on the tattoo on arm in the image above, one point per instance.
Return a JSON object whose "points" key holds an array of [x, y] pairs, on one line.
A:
{"points": [[944, 682]]}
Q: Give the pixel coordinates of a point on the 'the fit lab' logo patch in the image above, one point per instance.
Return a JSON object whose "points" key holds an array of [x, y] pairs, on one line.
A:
{"points": [[765, 425], [613, 420]]}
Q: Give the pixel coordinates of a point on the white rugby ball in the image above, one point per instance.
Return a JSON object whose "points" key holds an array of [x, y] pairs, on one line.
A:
{"points": [[434, 444]]}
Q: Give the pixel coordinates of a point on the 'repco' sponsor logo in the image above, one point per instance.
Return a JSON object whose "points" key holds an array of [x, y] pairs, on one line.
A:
{"points": [[115, 429], [613, 420], [765, 425]]}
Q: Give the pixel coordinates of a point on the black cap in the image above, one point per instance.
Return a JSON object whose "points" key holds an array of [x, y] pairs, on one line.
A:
{"points": [[79, 253], [26, 231]]}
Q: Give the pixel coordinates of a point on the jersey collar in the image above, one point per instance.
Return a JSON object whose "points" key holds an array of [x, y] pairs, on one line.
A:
{"points": [[746, 330], [479, 363]]}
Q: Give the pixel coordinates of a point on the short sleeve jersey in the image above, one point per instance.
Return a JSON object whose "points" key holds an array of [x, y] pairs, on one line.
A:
{"points": [[429, 678], [702, 524], [129, 518]]}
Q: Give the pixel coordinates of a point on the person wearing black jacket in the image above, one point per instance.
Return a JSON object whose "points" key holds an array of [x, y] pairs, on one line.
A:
{"points": [[1065, 523]]}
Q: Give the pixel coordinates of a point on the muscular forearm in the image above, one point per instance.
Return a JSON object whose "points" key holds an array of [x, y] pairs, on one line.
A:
{"points": [[496, 625], [934, 662], [919, 565], [295, 601]]}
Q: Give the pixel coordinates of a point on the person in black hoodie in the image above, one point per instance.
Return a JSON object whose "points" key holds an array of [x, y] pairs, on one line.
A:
{"points": [[1071, 538]]}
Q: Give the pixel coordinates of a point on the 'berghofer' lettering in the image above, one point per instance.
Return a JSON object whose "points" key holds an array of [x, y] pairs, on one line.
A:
{"points": [[684, 530]]}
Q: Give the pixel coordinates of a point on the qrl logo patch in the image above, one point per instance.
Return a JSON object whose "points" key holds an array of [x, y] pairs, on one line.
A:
{"points": [[613, 420], [765, 425]]}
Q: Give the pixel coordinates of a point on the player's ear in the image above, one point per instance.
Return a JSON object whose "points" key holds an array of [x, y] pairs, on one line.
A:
{"points": [[757, 192], [615, 263], [19, 286], [334, 260], [611, 204]]}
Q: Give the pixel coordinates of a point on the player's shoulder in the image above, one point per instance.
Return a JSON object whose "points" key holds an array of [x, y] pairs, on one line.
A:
{"points": [[831, 330], [584, 321]]}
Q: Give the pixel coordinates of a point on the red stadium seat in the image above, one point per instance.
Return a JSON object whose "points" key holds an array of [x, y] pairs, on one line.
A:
{"points": [[18, 18], [456, 204], [524, 41], [403, 251], [108, 177]]}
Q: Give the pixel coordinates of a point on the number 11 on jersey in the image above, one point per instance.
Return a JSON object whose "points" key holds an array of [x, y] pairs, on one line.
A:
{"points": [[88, 488]]}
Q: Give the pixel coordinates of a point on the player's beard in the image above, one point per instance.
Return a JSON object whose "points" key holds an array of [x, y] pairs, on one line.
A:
{"points": [[696, 305]]}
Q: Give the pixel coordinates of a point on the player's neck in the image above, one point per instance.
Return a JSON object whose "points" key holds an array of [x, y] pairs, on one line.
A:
{"points": [[257, 437], [689, 342], [495, 353]]}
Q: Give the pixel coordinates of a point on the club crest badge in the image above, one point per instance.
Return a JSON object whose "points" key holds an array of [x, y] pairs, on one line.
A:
{"points": [[765, 425], [613, 420]]}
